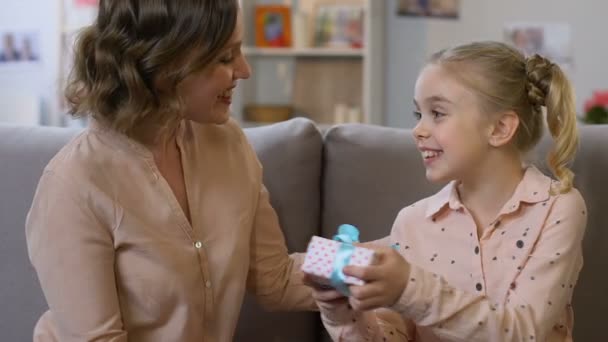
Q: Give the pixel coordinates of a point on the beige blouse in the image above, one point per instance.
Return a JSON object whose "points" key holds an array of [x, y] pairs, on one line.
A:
{"points": [[118, 260], [513, 283]]}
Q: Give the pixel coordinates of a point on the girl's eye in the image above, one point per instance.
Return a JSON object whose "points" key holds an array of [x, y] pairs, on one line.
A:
{"points": [[417, 115], [437, 114]]}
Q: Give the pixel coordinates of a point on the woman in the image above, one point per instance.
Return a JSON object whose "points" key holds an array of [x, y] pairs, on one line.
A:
{"points": [[150, 225]]}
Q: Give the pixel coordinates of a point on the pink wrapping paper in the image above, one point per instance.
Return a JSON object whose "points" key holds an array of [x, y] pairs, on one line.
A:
{"points": [[320, 256]]}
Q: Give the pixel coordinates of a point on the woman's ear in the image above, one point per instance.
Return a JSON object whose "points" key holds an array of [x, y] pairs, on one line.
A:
{"points": [[504, 128]]}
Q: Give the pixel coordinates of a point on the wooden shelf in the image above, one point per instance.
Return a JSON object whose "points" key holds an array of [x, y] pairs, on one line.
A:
{"points": [[303, 52], [317, 79]]}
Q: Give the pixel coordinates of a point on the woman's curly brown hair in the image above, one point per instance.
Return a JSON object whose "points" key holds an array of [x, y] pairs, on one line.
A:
{"points": [[133, 46]]}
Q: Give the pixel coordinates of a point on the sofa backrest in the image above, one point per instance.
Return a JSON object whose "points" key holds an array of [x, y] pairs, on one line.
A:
{"points": [[290, 153], [363, 175], [371, 172], [24, 151]]}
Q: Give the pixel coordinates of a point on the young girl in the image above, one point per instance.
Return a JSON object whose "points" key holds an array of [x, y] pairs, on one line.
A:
{"points": [[152, 223], [495, 255]]}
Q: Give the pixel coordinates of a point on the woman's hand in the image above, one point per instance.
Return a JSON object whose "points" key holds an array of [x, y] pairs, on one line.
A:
{"points": [[385, 280], [327, 298], [333, 305]]}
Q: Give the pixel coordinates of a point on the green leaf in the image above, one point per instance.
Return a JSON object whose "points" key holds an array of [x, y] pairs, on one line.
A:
{"points": [[597, 115]]}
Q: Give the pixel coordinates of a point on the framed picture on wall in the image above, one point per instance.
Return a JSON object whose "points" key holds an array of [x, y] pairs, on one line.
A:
{"points": [[429, 8], [339, 24], [19, 47], [77, 14], [551, 40], [273, 26], [86, 2]]}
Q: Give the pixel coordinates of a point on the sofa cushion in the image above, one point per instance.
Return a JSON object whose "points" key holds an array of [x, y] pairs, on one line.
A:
{"points": [[24, 151], [290, 153], [370, 173], [590, 168]]}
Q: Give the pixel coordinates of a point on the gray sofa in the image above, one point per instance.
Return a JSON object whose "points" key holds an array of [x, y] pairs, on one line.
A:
{"points": [[351, 174]]}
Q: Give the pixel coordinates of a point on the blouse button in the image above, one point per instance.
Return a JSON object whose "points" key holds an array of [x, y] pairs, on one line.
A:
{"points": [[198, 244], [208, 284]]}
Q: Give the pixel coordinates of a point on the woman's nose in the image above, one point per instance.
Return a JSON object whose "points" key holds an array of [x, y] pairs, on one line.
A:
{"points": [[243, 69]]}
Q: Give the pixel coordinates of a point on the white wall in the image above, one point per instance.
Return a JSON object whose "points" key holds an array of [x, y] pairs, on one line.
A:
{"points": [[411, 40], [29, 83]]}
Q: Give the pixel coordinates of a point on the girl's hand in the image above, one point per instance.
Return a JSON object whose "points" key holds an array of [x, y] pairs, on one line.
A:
{"points": [[385, 280]]}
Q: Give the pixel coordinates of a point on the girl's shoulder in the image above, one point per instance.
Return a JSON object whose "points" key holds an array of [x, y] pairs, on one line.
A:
{"points": [[422, 210], [429, 206], [570, 201]]}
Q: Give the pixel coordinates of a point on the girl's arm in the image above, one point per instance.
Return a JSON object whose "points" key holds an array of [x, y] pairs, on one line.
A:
{"points": [[534, 303], [345, 324]]}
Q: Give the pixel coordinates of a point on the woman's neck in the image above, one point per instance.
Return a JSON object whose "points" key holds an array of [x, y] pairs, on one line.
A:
{"points": [[161, 141], [493, 185]]}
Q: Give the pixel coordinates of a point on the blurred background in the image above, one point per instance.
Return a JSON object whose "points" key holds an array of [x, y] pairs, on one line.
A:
{"points": [[332, 61]]}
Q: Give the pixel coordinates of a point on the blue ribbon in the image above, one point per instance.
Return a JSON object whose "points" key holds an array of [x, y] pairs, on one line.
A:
{"points": [[347, 235]]}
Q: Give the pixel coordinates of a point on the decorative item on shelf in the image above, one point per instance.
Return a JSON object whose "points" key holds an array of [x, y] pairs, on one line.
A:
{"points": [[347, 114], [300, 30], [267, 113], [273, 26], [339, 24], [596, 108]]}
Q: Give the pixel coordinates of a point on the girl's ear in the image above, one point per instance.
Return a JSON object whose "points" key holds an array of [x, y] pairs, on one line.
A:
{"points": [[504, 129]]}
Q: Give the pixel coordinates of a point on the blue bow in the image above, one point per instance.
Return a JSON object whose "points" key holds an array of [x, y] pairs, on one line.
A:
{"points": [[347, 234]]}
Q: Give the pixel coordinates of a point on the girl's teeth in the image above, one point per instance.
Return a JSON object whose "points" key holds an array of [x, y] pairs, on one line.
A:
{"points": [[430, 154]]}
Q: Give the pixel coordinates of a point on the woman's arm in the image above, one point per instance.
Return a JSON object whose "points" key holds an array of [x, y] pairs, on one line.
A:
{"points": [[274, 276], [73, 254]]}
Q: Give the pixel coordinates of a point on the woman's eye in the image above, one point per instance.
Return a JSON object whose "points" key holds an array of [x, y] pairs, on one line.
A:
{"points": [[227, 59], [417, 115]]}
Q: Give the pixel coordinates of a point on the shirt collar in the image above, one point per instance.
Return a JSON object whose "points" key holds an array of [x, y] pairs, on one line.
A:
{"points": [[122, 141], [448, 196], [534, 187]]}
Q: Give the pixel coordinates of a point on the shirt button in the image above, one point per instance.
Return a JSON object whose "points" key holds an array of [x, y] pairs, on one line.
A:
{"points": [[478, 287], [208, 284], [198, 244]]}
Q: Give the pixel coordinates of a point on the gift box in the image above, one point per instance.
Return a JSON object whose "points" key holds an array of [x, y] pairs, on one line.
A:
{"points": [[320, 261]]}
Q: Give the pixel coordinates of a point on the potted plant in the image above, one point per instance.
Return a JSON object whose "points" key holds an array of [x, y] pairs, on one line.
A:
{"points": [[596, 108]]}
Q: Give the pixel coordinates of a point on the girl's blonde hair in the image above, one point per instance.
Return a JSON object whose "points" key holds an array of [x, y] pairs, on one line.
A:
{"points": [[505, 80]]}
